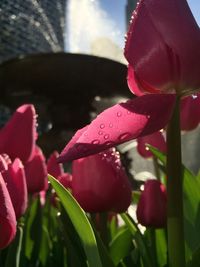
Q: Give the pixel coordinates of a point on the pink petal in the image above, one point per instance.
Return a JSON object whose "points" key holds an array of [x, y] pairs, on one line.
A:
{"points": [[156, 140], [7, 216], [152, 206], [17, 137], [121, 123], [66, 180], [36, 172], [100, 184], [190, 112], [53, 167], [163, 46], [15, 180]]}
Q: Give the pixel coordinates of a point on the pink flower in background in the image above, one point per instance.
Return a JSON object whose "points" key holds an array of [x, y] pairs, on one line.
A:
{"points": [[17, 137], [190, 112], [53, 167], [152, 207], [7, 216], [162, 50], [156, 140], [14, 177], [36, 172], [100, 184], [56, 169]]}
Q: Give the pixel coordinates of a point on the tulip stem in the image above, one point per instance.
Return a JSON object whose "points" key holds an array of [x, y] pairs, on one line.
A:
{"points": [[175, 223]]}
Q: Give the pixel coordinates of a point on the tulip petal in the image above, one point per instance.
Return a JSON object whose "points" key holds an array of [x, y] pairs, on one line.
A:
{"points": [[121, 123], [100, 184], [36, 172], [7, 216], [17, 137], [152, 207], [15, 179], [190, 112], [163, 45], [156, 140], [53, 167]]}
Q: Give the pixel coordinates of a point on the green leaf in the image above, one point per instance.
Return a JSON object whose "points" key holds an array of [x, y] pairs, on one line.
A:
{"points": [[195, 259], [13, 256], [121, 245], [139, 239], [191, 200], [80, 222]]}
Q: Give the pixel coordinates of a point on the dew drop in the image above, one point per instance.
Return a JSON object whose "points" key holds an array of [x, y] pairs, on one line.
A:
{"points": [[95, 142], [124, 136], [100, 132], [109, 143], [119, 114], [110, 125], [128, 112], [102, 126], [194, 96], [106, 136]]}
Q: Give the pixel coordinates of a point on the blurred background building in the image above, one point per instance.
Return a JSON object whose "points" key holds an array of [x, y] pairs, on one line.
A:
{"points": [[31, 26]]}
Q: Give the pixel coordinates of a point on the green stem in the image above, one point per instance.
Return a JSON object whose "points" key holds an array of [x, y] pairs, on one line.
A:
{"points": [[156, 168], [175, 227]]}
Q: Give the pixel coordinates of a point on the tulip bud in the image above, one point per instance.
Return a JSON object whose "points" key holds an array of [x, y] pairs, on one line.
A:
{"points": [[17, 137], [36, 172], [53, 167], [100, 184], [156, 140], [7, 216], [152, 206], [14, 177]]}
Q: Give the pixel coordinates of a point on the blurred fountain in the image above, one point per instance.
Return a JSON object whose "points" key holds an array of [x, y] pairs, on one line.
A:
{"points": [[90, 30]]}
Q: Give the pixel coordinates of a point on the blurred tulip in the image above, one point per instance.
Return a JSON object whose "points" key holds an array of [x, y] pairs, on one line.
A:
{"points": [[17, 137], [36, 172], [100, 184], [152, 206], [190, 112], [14, 177], [53, 167], [7, 216], [162, 48], [156, 140]]}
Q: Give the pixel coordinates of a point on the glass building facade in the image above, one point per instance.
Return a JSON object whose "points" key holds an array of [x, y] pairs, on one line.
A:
{"points": [[31, 26]]}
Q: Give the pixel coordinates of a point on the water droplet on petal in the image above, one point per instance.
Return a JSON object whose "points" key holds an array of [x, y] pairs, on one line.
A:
{"points": [[109, 143], [124, 136], [95, 142], [110, 125], [194, 96], [106, 136], [102, 126], [119, 114], [128, 112], [100, 132]]}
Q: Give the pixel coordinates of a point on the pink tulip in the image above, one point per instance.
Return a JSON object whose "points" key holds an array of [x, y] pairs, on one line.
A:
{"points": [[7, 216], [53, 167], [152, 206], [36, 172], [14, 177], [163, 52], [17, 137], [162, 47], [156, 140], [190, 112], [100, 184]]}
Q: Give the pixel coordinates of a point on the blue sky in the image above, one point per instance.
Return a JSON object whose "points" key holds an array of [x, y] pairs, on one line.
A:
{"points": [[115, 9]]}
